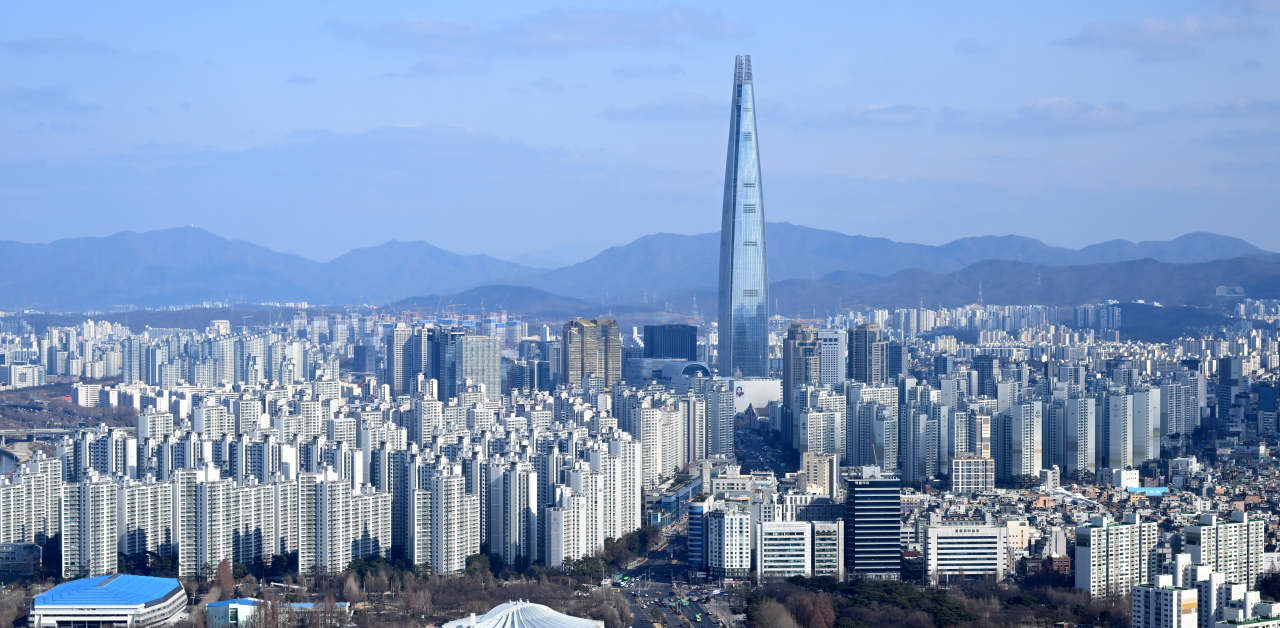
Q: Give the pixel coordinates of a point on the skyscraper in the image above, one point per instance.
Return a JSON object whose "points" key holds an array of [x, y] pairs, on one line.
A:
{"points": [[591, 347], [744, 272]]}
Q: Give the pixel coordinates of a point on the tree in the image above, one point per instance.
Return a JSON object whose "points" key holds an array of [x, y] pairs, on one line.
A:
{"points": [[226, 581], [351, 590], [772, 614]]}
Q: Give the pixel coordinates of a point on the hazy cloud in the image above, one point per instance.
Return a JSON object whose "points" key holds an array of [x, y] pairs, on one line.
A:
{"points": [[1257, 6], [1047, 116], [555, 30], [445, 65], [1154, 40], [684, 106], [1240, 139], [548, 85], [636, 71], [55, 45], [300, 79], [29, 99], [1244, 107], [877, 115], [970, 46]]}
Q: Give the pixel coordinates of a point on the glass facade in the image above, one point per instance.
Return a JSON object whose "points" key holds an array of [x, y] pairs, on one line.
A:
{"points": [[744, 273]]}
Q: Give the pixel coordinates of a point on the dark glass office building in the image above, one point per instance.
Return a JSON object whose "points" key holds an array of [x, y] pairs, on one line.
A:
{"points": [[677, 342], [744, 273], [873, 525]]}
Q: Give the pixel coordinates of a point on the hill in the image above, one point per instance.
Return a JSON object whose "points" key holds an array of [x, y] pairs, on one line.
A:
{"points": [[190, 266]]}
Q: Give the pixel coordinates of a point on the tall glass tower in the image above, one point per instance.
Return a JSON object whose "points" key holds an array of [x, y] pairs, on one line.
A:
{"points": [[744, 270]]}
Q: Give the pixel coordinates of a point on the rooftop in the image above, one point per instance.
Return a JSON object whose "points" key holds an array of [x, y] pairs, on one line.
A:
{"points": [[114, 590], [523, 614]]}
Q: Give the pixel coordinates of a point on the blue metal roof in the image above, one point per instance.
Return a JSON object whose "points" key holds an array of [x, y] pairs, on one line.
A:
{"points": [[114, 590]]}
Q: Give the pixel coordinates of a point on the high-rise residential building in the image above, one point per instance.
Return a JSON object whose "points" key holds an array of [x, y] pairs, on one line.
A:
{"points": [[986, 368], [89, 541], [443, 351], [1080, 441], [480, 360], [744, 272], [672, 341], [513, 515], [1018, 442], [800, 366], [867, 354], [872, 525], [1232, 548], [591, 348], [1159, 604], [1111, 559], [398, 367], [1146, 424]]}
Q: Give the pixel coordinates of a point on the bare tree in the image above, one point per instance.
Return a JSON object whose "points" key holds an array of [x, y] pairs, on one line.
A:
{"points": [[226, 580]]}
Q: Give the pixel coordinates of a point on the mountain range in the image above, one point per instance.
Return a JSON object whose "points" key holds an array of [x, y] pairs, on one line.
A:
{"points": [[807, 266]]}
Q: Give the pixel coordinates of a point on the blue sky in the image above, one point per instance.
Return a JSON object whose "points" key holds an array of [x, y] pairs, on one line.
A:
{"points": [[554, 130]]}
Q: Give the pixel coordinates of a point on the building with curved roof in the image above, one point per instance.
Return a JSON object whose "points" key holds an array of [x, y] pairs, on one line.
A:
{"points": [[521, 614], [106, 601]]}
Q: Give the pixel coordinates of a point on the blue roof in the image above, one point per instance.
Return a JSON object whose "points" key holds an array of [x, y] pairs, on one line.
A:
{"points": [[1150, 491], [114, 590]]}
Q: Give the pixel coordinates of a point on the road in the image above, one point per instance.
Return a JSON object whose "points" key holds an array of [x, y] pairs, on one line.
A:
{"points": [[656, 579], [757, 454]]}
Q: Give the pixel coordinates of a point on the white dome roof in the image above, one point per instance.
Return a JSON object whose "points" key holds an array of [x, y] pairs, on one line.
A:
{"points": [[524, 615]]}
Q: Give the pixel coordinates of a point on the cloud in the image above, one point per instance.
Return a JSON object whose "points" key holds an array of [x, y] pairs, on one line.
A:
{"points": [[55, 45], [1245, 107], [684, 106], [1240, 139], [300, 79], [1047, 116], [871, 115], [1257, 6], [548, 85], [34, 99], [548, 31], [445, 65], [1062, 116], [636, 71], [1154, 40], [970, 46]]}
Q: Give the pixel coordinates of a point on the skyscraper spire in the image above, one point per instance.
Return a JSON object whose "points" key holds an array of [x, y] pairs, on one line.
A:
{"points": [[744, 271]]}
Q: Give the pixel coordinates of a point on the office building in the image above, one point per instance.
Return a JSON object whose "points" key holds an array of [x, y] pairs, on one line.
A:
{"points": [[872, 524], [957, 550], [971, 474], [783, 549], [677, 342], [744, 274]]}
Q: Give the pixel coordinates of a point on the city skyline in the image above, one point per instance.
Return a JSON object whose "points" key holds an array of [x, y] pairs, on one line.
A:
{"points": [[1083, 123]]}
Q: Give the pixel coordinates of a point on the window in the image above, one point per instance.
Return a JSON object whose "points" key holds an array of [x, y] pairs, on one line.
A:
{"points": [[751, 293], [749, 208], [748, 184], [749, 243], [746, 136]]}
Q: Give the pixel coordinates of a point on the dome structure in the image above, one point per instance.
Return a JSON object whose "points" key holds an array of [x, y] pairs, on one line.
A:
{"points": [[521, 614]]}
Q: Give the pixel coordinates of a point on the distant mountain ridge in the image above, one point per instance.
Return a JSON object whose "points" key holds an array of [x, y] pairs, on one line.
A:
{"points": [[188, 265]]}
